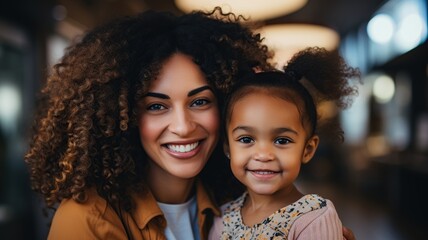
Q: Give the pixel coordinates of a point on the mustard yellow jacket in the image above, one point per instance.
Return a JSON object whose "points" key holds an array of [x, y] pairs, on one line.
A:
{"points": [[95, 219]]}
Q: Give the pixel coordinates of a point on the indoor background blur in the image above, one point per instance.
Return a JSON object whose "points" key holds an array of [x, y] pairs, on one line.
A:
{"points": [[377, 179]]}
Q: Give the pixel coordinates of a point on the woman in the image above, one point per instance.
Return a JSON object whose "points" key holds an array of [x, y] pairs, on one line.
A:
{"points": [[128, 120], [125, 139]]}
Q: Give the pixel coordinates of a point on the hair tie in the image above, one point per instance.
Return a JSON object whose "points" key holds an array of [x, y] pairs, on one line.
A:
{"points": [[295, 76]]}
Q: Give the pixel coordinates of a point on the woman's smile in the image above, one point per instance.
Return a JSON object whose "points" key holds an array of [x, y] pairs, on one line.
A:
{"points": [[179, 123], [183, 151], [182, 148]]}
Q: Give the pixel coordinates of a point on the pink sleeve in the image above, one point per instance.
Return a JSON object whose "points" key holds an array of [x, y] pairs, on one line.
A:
{"points": [[322, 224], [217, 228]]}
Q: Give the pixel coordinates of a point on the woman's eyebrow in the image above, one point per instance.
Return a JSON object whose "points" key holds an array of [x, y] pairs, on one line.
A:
{"points": [[156, 95], [191, 93], [198, 90]]}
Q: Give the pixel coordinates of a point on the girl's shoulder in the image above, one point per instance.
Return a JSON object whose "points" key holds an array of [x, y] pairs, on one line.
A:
{"points": [[323, 222], [309, 202]]}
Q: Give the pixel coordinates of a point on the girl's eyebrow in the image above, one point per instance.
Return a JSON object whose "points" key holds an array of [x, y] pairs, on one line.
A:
{"points": [[244, 128], [285, 129], [275, 131], [191, 92]]}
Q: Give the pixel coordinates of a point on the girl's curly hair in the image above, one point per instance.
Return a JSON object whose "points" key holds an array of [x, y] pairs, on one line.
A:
{"points": [[311, 77], [85, 133]]}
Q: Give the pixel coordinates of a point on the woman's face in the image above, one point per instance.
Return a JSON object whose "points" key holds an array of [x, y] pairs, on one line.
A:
{"points": [[179, 120]]}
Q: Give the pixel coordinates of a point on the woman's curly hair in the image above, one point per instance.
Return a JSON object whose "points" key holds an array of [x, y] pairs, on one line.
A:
{"points": [[85, 133]]}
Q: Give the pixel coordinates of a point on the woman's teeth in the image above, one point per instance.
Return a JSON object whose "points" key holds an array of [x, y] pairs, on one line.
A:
{"points": [[183, 148]]}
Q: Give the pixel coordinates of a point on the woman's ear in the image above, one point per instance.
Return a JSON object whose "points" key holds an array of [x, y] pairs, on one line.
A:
{"points": [[226, 149], [310, 148]]}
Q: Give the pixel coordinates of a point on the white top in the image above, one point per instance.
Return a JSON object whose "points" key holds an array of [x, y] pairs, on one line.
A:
{"points": [[185, 219]]}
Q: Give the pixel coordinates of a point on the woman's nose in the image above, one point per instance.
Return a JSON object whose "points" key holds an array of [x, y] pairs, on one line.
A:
{"points": [[182, 123]]}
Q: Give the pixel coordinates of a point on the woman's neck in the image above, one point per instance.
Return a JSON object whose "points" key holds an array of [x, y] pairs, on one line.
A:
{"points": [[167, 188]]}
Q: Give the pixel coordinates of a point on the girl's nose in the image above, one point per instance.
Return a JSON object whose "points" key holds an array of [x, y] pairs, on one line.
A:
{"points": [[264, 153], [181, 123]]}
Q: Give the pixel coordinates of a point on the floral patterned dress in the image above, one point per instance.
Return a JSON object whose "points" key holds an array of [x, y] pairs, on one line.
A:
{"points": [[276, 226]]}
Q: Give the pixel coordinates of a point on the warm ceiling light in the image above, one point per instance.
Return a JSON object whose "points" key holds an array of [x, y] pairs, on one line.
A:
{"points": [[254, 9], [383, 89], [286, 39]]}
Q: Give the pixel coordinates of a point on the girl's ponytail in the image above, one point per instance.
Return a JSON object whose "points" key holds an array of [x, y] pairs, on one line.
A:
{"points": [[324, 74]]}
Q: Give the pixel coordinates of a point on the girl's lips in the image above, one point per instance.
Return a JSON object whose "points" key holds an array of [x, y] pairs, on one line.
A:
{"points": [[263, 174]]}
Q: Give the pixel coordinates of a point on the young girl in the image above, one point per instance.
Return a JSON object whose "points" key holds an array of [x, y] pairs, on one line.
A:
{"points": [[271, 127]]}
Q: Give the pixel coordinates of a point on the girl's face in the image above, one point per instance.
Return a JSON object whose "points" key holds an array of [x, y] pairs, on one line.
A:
{"points": [[179, 120], [267, 143]]}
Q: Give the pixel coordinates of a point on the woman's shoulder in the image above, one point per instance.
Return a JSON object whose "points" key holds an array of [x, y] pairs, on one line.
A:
{"points": [[94, 204], [73, 219]]}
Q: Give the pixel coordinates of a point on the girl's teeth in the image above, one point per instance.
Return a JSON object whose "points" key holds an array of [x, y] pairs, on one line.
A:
{"points": [[183, 148], [264, 172]]}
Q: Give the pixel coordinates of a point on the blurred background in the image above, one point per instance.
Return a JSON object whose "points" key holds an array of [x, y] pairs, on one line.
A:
{"points": [[377, 179]]}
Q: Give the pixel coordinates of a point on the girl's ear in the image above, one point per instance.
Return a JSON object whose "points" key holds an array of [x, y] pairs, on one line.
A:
{"points": [[310, 148], [226, 149]]}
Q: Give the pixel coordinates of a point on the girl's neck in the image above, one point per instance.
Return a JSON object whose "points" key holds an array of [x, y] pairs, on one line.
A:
{"points": [[258, 207], [167, 188]]}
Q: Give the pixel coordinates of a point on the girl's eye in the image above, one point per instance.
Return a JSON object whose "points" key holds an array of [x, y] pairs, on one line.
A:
{"points": [[245, 140], [282, 141], [200, 102], [155, 107]]}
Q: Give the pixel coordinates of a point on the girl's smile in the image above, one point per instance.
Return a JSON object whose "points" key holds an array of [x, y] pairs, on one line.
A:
{"points": [[264, 174], [267, 142]]}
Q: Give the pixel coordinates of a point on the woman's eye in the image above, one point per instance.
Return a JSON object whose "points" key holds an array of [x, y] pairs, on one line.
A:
{"points": [[245, 140], [200, 102], [282, 141], [155, 107]]}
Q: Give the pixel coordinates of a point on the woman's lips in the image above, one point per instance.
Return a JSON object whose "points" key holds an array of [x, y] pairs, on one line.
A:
{"points": [[183, 151], [182, 148]]}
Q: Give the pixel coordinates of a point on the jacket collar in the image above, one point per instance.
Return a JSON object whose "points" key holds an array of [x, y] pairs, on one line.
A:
{"points": [[147, 209]]}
